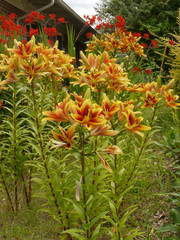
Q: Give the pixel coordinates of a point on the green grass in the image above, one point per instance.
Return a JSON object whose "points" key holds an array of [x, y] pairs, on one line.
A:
{"points": [[28, 224]]}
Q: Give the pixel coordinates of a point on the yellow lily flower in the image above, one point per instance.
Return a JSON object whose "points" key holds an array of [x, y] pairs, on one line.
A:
{"points": [[108, 109], [87, 114], [171, 100], [23, 50], [134, 124], [103, 130], [61, 112], [150, 100], [65, 139]]}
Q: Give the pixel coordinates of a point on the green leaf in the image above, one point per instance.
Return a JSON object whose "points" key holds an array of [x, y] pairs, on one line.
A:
{"points": [[112, 206], [122, 221], [131, 237], [97, 232], [36, 148], [80, 211], [75, 233], [101, 215], [168, 228], [175, 213]]}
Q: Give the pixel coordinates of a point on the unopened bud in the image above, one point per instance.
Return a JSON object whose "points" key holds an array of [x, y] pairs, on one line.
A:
{"points": [[159, 82], [169, 85], [87, 94], [137, 106]]}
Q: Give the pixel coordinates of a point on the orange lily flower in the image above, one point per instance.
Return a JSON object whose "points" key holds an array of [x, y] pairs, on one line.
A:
{"points": [[61, 112], [103, 130], [10, 77], [78, 99], [91, 61], [108, 109], [112, 149], [123, 107], [116, 77], [9, 63], [23, 50], [87, 114], [134, 124], [134, 88], [170, 100], [150, 100], [66, 139], [92, 78], [2, 83], [146, 87], [32, 69]]}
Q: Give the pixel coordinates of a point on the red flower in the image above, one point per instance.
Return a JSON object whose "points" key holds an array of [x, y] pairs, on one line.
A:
{"points": [[171, 42], [148, 71], [2, 18], [120, 22], [1, 104], [41, 17], [24, 41], [61, 20], [12, 16], [33, 31], [136, 69], [51, 43], [146, 35], [51, 32], [52, 16], [144, 45], [98, 27], [29, 19], [137, 35], [154, 44], [89, 34], [1, 40]]}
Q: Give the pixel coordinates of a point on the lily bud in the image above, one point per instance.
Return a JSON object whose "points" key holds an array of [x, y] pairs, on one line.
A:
{"points": [[169, 85], [159, 82], [84, 58], [87, 94]]}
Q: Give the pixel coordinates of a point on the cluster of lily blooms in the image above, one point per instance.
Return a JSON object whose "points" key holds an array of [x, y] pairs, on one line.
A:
{"points": [[100, 72]]}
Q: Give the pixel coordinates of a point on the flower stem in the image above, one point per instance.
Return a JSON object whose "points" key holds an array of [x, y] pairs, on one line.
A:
{"points": [[6, 190], [116, 189], [141, 150], [43, 156], [15, 147], [84, 182]]}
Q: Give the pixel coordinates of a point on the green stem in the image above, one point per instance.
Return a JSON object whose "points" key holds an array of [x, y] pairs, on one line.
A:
{"points": [[6, 190], [30, 185], [54, 90], [15, 147], [25, 190], [140, 151], [116, 189], [84, 181], [43, 156]]}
